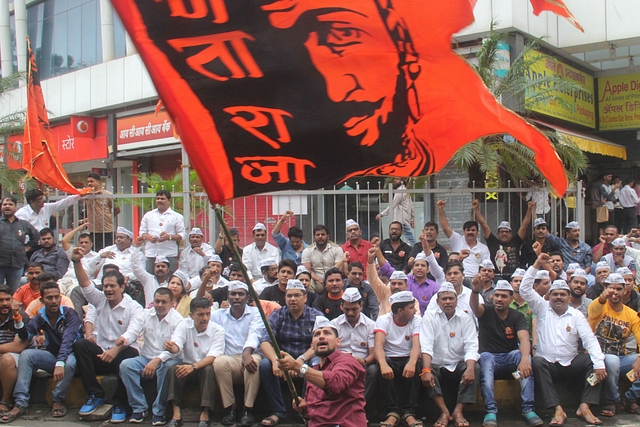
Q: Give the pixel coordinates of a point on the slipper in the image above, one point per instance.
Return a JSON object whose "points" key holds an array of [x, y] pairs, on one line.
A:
{"points": [[490, 420], [272, 420], [583, 417], [9, 417], [5, 404], [59, 412], [609, 410], [460, 421], [440, 422], [555, 423], [417, 422], [629, 405]]}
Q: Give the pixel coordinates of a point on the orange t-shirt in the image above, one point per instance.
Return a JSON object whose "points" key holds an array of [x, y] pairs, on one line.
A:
{"points": [[25, 295]]}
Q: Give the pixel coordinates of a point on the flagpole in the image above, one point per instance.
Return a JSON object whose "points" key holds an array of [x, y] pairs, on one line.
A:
{"points": [[256, 299]]}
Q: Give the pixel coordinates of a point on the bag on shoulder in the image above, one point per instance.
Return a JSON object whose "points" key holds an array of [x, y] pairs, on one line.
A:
{"points": [[602, 214]]}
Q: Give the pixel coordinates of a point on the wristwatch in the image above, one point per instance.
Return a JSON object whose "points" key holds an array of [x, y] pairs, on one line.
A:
{"points": [[303, 370]]}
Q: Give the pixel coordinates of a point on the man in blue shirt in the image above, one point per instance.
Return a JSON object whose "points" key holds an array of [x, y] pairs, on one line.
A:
{"points": [[292, 326], [292, 245], [571, 248], [61, 326], [243, 330]]}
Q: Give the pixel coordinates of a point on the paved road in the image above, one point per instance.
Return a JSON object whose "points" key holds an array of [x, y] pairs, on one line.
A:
{"points": [[39, 416]]}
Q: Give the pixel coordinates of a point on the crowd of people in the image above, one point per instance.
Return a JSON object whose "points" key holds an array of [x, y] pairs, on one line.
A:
{"points": [[367, 321]]}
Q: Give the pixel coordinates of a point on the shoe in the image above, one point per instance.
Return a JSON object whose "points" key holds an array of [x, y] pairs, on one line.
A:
{"points": [[118, 414], [203, 423], [138, 417], [175, 423], [229, 417], [158, 420], [91, 405], [533, 419], [247, 419]]}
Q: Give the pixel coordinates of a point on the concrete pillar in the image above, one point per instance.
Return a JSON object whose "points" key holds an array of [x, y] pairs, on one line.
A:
{"points": [[5, 40], [107, 31], [20, 10], [130, 47]]}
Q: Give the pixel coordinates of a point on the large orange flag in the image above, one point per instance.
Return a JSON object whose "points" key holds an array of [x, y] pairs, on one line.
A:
{"points": [[39, 154], [290, 94], [556, 6]]}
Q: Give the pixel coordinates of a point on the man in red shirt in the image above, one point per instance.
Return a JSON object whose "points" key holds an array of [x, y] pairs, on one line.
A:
{"points": [[31, 290], [356, 248], [335, 387]]}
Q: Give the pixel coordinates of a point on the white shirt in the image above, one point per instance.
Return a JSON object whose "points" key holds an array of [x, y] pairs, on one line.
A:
{"points": [[628, 197], [191, 262], [355, 340], [122, 260], [398, 339], [479, 253], [635, 254], [87, 264], [155, 332], [628, 259], [111, 323], [153, 223], [463, 303], [196, 282], [251, 257], [261, 284], [40, 220], [241, 333], [195, 345], [149, 281], [448, 341], [558, 335]]}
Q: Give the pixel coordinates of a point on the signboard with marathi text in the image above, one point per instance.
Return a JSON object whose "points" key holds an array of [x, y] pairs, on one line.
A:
{"points": [[145, 130], [579, 105], [84, 138], [619, 102]]}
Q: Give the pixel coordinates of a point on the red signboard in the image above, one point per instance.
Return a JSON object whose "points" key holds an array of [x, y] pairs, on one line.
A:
{"points": [[145, 130], [72, 143]]}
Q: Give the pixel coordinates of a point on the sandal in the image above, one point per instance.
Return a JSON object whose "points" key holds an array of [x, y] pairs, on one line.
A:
{"points": [[386, 424], [6, 405], [443, 421], [416, 423], [630, 406], [8, 417], [59, 412], [609, 410], [272, 420], [460, 421], [555, 423], [583, 416]]}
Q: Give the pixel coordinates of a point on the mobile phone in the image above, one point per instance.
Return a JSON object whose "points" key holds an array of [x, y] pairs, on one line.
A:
{"points": [[592, 380], [517, 375]]}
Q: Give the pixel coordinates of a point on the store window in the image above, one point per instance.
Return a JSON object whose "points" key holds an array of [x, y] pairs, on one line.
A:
{"points": [[66, 36]]}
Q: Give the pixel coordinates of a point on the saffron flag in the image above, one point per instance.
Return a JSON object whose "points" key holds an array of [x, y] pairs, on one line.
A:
{"points": [[39, 154], [556, 6], [290, 94]]}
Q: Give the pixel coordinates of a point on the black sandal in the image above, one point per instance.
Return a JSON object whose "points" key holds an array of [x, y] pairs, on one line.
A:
{"points": [[9, 418]]}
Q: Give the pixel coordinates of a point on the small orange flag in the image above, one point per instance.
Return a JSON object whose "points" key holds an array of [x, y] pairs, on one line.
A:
{"points": [[39, 155], [556, 6]]}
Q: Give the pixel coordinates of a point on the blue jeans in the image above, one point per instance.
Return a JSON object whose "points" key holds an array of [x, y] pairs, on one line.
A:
{"points": [[271, 385], [503, 364], [408, 232], [617, 366], [11, 276], [31, 360], [131, 375]]}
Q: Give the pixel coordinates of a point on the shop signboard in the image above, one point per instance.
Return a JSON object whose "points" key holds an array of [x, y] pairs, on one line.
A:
{"points": [[578, 105], [619, 102], [83, 138], [146, 130]]}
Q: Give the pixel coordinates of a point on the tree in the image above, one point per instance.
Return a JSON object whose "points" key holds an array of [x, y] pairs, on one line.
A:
{"points": [[501, 156]]}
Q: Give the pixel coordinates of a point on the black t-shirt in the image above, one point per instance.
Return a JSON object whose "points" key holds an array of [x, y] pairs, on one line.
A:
{"points": [[311, 298], [227, 257], [398, 258], [528, 256], [506, 257], [499, 336], [330, 308], [220, 294], [438, 251], [594, 291], [273, 293]]}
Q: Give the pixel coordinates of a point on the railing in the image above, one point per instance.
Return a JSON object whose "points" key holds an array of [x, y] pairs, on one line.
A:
{"points": [[333, 207]]}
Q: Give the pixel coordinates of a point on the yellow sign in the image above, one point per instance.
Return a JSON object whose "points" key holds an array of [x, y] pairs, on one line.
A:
{"points": [[578, 106], [619, 102]]}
